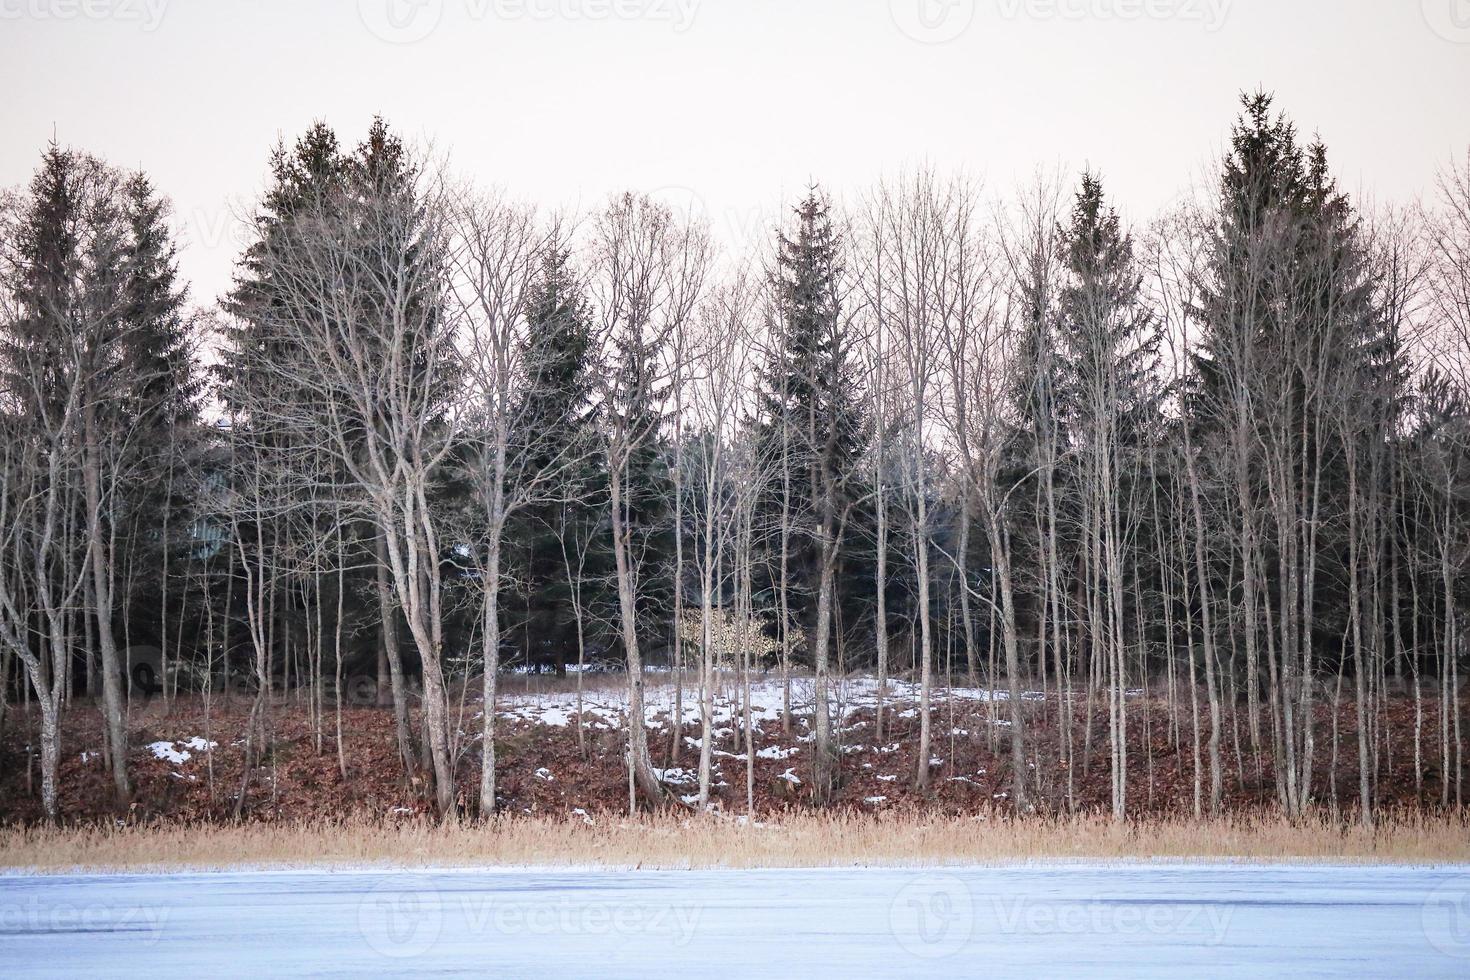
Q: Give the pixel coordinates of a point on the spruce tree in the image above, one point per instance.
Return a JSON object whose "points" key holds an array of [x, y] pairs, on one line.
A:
{"points": [[1108, 348], [555, 433], [1294, 386], [359, 210], [304, 178], [100, 353], [1108, 406], [160, 410], [639, 401], [810, 424]]}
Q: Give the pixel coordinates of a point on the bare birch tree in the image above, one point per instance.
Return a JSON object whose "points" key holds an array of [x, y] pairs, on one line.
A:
{"points": [[649, 272]]}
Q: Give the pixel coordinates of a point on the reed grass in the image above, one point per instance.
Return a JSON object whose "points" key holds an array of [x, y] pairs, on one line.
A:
{"points": [[815, 840]]}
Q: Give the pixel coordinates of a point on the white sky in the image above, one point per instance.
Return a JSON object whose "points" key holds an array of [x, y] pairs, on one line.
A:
{"points": [[739, 102]]}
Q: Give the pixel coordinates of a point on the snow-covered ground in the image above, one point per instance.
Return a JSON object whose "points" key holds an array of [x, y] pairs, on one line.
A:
{"points": [[605, 708], [1059, 920]]}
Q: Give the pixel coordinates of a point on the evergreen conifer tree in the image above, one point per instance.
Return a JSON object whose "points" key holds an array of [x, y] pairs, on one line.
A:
{"points": [[810, 423], [556, 422]]}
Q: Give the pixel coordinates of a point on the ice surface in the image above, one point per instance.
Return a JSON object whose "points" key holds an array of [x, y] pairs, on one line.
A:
{"points": [[1062, 920]]}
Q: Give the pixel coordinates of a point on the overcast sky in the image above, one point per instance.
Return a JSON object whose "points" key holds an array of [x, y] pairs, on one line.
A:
{"points": [[739, 102]]}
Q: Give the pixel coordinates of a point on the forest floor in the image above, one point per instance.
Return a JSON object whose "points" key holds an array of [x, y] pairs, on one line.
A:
{"points": [[187, 757]]}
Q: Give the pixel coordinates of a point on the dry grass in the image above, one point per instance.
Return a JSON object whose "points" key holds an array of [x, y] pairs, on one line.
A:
{"points": [[667, 842]]}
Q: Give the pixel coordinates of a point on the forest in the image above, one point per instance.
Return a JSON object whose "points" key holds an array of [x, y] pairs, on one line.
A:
{"points": [[1195, 488]]}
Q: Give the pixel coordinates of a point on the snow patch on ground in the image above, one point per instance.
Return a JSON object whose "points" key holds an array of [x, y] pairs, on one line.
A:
{"points": [[777, 752], [167, 752], [676, 776], [608, 709]]}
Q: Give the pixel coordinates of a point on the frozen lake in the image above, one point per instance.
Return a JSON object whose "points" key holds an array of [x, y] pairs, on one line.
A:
{"points": [[1132, 920]]}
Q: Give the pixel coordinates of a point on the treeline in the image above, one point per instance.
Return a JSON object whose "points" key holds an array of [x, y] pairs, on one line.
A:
{"points": [[434, 433]]}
